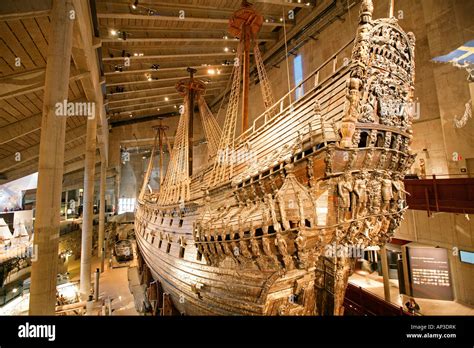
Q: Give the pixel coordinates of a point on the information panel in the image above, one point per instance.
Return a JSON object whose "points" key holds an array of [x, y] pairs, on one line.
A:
{"points": [[430, 276]]}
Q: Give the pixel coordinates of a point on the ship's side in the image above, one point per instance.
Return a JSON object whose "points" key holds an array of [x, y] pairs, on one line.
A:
{"points": [[325, 172]]}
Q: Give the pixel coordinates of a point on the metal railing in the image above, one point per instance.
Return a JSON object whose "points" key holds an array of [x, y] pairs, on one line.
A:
{"points": [[453, 194]]}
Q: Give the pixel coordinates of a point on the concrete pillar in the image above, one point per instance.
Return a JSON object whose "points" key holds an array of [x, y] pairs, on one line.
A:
{"points": [[51, 162], [103, 177], [88, 212], [386, 279]]}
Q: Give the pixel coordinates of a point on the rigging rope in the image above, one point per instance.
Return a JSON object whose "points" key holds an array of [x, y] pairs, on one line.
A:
{"points": [[212, 130], [286, 55], [223, 165], [175, 188]]}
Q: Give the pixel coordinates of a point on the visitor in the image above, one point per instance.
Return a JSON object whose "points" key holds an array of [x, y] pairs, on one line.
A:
{"points": [[412, 306]]}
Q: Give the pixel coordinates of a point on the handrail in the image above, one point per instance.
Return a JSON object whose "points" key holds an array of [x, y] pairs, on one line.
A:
{"points": [[279, 102], [361, 291]]}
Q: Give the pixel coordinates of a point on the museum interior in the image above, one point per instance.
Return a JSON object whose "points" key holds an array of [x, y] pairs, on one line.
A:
{"points": [[236, 158]]}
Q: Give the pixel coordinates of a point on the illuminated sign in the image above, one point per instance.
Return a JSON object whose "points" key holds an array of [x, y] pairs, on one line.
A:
{"points": [[430, 276]]}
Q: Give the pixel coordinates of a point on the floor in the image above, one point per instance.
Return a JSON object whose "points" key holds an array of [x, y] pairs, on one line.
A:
{"points": [[114, 284], [374, 284]]}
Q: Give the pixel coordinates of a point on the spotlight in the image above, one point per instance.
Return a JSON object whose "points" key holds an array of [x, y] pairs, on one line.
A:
{"points": [[113, 32], [135, 5], [226, 49], [135, 54], [166, 98], [211, 71]]}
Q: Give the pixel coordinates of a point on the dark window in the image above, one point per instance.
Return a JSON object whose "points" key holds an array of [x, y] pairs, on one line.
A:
{"points": [[168, 248], [363, 139]]}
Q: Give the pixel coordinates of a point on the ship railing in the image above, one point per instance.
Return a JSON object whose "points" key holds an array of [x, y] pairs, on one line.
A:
{"points": [[338, 61]]}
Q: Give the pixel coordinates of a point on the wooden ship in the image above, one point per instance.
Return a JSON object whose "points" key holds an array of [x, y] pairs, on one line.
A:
{"points": [[254, 232]]}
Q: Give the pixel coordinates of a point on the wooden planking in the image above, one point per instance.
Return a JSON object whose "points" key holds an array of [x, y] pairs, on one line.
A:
{"points": [[12, 42], [27, 42], [43, 24], [38, 36], [181, 274]]}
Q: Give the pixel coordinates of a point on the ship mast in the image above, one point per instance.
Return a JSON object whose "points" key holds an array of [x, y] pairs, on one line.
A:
{"points": [[161, 135], [245, 25]]}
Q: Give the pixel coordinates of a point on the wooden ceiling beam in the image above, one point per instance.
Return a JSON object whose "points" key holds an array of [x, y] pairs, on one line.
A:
{"points": [[23, 127], [130, 16], [182, 67], [290, 3], [145, 90], [125, 83], [32, 153], [15, 9], [17, 89], [170, 56], [178, 40], [32, 168], [150, 96], [156, 103]]}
